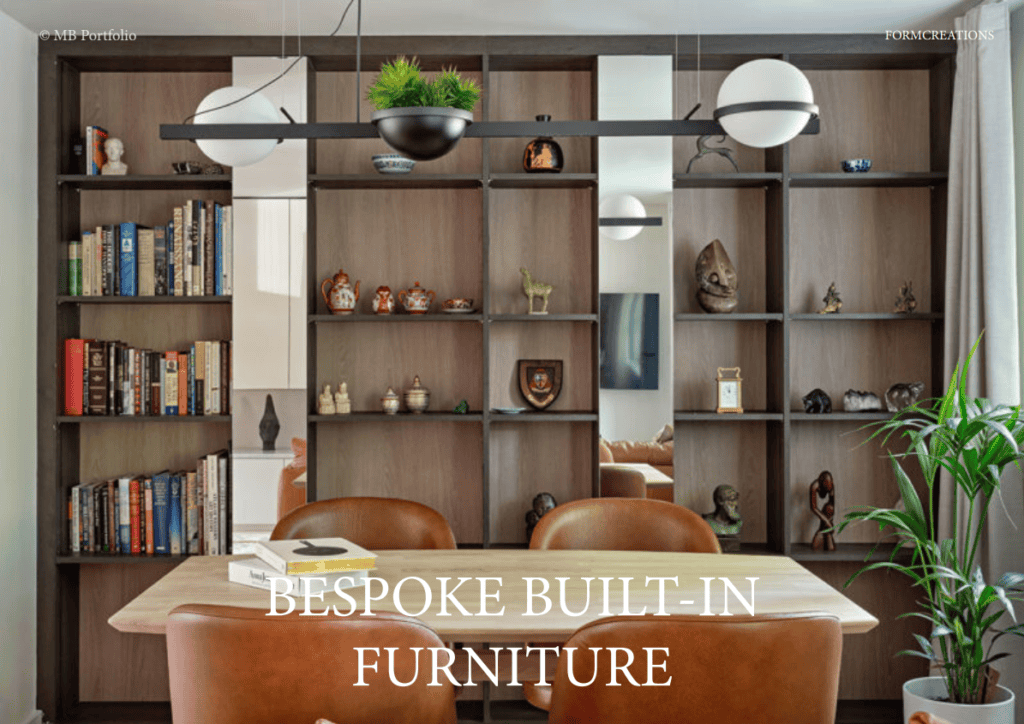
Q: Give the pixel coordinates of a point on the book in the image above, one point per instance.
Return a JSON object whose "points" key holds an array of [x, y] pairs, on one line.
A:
{"points": [[183, 383], [174, 518], [87, 261], [124, 515], [192, 513], [218, 250], [258, 574], [225, 378], [142, 516], [180, 257], [314, 555], [160, 261], [129, 245], [134, 520], [75, 268], [96, 137], [209, 248], [147, 496], [74, 518], [74, 366], [228, 250], [171, 384], [161, 513], [97, 377], [224, 487], [147, 262]]}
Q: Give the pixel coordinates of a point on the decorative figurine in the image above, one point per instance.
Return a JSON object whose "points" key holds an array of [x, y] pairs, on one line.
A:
{"points": [[817, 402], [716, 280], [114, 166], [390, 402], [535, 289], [462, 408], [832, 301], [902, 395], [543, 154], [338, 295], [326, 404], [705, 150], [417, 397], [416, 299], [269, 426], [905, 302], [860, 401], [383, 301], [726, 520], [824, 487], [342, 405], [542, 503], [540, 381]]}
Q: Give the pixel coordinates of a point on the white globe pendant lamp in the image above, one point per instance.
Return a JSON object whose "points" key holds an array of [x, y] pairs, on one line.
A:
{"points": [[621, 206], [236, 104], [765, 103]]}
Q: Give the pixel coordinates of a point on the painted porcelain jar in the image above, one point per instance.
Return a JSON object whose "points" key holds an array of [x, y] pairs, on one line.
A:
{"points": [[383, 301], [390, 402], [338, 295], [416, 300], [417, 397]]}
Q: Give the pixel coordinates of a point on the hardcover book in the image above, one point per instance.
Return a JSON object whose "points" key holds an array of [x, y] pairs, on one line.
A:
{"points": [[147, 263], [174, 517], [129, 245], [74, 366], [160, 261], [314, 555], [258, 574], [161, 513]]}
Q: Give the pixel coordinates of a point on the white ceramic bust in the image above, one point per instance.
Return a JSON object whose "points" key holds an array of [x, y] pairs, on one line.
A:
{"points": [[114, 165]]}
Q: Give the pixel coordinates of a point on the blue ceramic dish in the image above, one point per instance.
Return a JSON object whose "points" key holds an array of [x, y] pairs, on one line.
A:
{"points": [[392, 163], [856, 165]]}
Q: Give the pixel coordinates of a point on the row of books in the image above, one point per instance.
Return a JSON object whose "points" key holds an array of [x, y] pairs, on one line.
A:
{"points": [[168, 513], [111, 378], [190, 256], [95, 151]]}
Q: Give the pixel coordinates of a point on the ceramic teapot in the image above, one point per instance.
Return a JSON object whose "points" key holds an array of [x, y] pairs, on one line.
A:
{"points": [[384, 301], [416, 300], [338, 295]]}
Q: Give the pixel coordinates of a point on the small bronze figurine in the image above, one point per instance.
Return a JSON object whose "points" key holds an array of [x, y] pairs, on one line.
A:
{"points": [[703, 149], [902, 395], [726, 520], [817, 402], [535, 289], [824, 487], [905, 302], [832, 301], [542, 503], [716, 280]]}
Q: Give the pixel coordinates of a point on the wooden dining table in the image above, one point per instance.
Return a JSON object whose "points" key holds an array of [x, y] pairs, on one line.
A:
{"points": [[782, 586]]}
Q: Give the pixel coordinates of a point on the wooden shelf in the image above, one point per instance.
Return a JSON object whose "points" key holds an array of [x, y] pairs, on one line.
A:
{"points": [[115, 559], [847, 552], [542, 180], [867, 317], [136, 712], [839, 416], [154, 419], [724, 180], [396, 181], [384, 318], [543, 318], [400, 417], [891, 179], [206, 182], [737, 317], [65, 299], [499, 417], [706, 416]]}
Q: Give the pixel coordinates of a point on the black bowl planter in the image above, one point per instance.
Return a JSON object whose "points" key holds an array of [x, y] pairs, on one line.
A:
{"points": [[422, 133]]}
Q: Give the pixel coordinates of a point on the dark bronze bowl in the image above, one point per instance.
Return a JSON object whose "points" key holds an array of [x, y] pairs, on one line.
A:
{"points": [[422, 133]]}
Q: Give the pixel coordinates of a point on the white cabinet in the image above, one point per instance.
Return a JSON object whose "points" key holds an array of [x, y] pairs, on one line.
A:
{"points": [[255, 475]]}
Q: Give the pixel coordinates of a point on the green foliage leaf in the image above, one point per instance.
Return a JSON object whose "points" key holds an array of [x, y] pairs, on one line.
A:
{"points": [[401, 85]]}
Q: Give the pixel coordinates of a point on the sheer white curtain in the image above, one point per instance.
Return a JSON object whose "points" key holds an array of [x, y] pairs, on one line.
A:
{"points": [[981, 276]]}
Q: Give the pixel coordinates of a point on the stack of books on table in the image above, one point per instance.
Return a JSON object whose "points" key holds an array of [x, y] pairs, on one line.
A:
{"points": [[322, 564]]}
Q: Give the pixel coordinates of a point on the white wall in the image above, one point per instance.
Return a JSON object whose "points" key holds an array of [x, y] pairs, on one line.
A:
{"points": [[18, 371], [638, 88], [1017, 79]]}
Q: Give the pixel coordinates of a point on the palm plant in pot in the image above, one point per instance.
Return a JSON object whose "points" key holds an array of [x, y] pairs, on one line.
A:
{"points": [[418, 118], [973, 440]]}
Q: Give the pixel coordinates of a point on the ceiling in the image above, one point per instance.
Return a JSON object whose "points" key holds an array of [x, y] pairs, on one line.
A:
{"points": [[488, 17]]}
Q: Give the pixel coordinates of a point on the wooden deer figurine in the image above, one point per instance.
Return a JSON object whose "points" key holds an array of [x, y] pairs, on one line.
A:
{"points": [[535, 289]]}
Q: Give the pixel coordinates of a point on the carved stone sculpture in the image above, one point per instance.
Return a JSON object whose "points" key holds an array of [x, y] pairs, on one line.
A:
{"points": [[726, 520], [114, 166], [542, 503], [326, 404], [269, 426], [860, 401], [824, 488], [832, 301], [703, 149], [535, 289], [342, 405], [716, 280], [903, 394], [817, 402], [905, 302]]}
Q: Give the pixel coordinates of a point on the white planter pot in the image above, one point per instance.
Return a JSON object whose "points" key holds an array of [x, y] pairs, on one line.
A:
{"points": [[920, 695]]}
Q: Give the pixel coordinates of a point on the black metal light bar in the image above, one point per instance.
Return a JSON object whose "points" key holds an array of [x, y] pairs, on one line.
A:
{"points": [[489, 129], [645, 221], [768, 106]]}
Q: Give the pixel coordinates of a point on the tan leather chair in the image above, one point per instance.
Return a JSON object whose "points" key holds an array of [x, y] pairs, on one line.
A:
{"points": [[618, 481], [239, 666], [624, 524], [378, 524], [735, 670]]}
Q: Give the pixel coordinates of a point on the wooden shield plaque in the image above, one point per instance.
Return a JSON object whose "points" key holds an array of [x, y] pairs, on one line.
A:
{"points": [[540, 381]]}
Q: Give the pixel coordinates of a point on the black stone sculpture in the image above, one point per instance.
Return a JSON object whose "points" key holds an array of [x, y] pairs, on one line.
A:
{"points": [[542, 503], [269, 426], [816, 402]]}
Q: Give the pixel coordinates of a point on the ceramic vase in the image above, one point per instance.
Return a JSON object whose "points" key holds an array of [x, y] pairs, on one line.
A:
{"points": [[543, 154]]}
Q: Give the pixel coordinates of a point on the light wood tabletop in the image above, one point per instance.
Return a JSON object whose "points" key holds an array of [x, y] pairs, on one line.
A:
{"points": [[782, 586], [652, 476]]}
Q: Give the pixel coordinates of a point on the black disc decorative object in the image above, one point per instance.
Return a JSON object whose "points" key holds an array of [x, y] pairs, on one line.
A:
{"points": [[309, 549]]}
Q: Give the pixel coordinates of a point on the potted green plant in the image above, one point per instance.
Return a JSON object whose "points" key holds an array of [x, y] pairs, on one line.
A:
{"points": [[973, 440], [418, 118]]}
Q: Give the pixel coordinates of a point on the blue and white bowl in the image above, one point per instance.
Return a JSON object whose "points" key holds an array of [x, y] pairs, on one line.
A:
{"points": [[856, 165], [392, 163]]}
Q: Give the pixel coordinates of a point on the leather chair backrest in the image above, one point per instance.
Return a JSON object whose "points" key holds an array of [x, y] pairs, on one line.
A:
{"points": [[624, 524], [377, 524], [622, 482], [239, 666], [738, 670]]}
